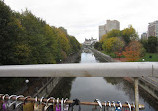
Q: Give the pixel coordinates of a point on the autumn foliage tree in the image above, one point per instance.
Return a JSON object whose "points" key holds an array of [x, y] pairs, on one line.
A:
{"points": [[133, 51], [113, 44], [27, 39]]}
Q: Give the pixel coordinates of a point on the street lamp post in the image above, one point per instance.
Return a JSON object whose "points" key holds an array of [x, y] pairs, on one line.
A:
{"points": [[27, 81]]}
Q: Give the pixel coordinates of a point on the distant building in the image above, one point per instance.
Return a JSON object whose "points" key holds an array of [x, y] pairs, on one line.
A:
{"points": [[144, 36], [110, 25], [89, 42], [102, 31], [153, 29]]}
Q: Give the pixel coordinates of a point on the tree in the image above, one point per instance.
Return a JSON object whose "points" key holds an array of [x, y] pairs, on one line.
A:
{"points": [[104, 38], [113, 33], [9, 31], [113, 44], [63, 40], [129, 34], [133, 51], [152, 44], [144, 43], [27, 39], [75, 45], [98, 46]]}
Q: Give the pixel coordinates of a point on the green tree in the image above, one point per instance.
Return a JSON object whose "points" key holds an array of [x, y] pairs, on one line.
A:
{"points": [[145, 44], [75, 45], [63, 41], [98, 46], [113, 44], [114, 33], [27, 39], [129, 34], [9, 30], [152, 44]]}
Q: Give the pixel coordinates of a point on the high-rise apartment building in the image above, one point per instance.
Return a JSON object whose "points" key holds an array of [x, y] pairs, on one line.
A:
{"points": [[102, 31], [153, 29], [110, 25]]}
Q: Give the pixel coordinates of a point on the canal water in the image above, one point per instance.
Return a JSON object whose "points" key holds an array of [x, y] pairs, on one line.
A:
{"points": [[105, 89]]}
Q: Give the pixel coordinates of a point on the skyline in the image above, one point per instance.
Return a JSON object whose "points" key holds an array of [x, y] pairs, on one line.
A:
{"points": [[82, 18]]}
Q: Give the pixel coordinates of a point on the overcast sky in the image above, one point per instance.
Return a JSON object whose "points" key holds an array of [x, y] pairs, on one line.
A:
{"points": [[81, 18]]}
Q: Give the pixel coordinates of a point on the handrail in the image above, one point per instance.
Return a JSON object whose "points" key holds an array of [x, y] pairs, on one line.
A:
{"points": [[114, 69], [67, 102]]}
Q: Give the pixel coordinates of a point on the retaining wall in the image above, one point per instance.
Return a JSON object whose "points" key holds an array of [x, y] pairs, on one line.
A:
{"points": [[103, 56], [47, 88]]}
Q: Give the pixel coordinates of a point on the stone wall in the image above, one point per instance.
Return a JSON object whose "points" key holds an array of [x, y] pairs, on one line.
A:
{"points": [[47, 88], [103, 56]]}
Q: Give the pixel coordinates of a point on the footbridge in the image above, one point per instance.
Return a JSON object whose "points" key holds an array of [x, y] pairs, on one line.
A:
{"points": [[112, 69]]}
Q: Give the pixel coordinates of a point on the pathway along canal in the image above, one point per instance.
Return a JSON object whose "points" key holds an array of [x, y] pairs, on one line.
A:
{"points": [[105, 89]]}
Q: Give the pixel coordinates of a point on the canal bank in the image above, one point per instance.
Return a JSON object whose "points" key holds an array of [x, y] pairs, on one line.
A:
{"points": [[73, 58], [101, 56]]}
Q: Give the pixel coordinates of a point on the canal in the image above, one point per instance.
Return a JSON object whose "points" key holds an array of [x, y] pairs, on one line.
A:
{"points": [[105, 89]]}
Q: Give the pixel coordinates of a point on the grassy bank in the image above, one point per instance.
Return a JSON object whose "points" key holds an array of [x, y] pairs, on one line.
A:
{"points": [[149, 57], [112, 54]]}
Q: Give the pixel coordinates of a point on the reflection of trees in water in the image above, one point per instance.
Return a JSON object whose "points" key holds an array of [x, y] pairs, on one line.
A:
{"points": [[142, 94], [11, 85], [98, 58], [17, 85], [113, 81], [86, 50], [78, 59], [122, 84], [63, 89], [128, 88], [73, 58]]}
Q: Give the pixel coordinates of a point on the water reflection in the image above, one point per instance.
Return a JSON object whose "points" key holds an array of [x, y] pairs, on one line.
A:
{"points": [[122, 85], [109, 89], [88, 57], [11, 85], [63, 89]]}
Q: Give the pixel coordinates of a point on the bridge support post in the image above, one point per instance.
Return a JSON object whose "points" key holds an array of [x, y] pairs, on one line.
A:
{"points": [[136, 94]]}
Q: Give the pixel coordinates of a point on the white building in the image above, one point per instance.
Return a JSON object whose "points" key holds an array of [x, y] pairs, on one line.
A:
{"points": [[110, 25], [90, 42], [153, 29], [102, 31]]}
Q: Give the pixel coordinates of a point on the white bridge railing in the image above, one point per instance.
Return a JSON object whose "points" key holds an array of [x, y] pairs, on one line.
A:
{"points": [[126, 69], [115, 69]]}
